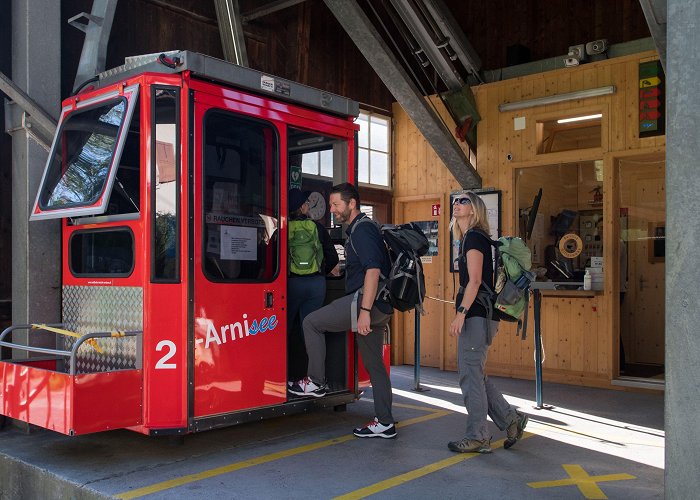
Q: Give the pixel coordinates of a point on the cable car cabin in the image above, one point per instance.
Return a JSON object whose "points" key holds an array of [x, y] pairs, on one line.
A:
{"points": [[171, 179]]}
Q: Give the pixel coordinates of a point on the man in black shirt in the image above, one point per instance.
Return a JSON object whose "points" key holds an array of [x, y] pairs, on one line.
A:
{"points": [[366, 259]]}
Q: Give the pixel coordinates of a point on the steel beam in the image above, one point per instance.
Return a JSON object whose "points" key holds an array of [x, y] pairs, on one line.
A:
{"points": [[459, 43], [655, 12], [97, 26], [231, 31], [37, 119], [269, 8], [434, 49], [367, 39]]}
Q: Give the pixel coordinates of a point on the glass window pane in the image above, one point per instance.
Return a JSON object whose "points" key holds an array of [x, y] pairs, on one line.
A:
{"points": [[379, 130], [327, 163], [309, 163], [363, 166], [363, 134], [82, 156], [379, 168], [166, 186], [241, 192], [102, 253]]}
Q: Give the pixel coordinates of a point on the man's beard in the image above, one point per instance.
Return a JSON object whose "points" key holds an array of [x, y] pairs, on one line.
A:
{"points": [[344, 216]]}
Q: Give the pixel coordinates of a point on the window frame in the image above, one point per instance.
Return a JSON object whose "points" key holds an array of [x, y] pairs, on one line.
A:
{"points": [[370, 114], [99, 206], [178, 211], [115, 229], [276, 203]]}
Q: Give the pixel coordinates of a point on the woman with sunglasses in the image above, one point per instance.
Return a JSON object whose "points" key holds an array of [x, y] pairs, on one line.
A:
{"points": [[475, 330]]}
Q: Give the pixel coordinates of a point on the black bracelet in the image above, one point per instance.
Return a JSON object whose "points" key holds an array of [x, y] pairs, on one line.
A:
{"points": [[365, 309]]}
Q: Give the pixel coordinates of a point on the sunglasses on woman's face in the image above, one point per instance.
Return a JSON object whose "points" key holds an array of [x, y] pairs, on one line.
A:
{"points": [[462, 201]]}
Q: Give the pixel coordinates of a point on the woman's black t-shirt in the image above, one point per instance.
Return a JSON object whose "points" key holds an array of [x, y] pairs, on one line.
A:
{"points": [[475, 240]]}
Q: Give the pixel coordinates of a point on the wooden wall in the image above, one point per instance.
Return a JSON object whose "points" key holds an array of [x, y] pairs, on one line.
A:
{"points": [[580, 333]]}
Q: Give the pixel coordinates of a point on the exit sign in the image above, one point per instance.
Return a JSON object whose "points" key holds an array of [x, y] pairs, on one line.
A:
{"points": [[651, 99]]}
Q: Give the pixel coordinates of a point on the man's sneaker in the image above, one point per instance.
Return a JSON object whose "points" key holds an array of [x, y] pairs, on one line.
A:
{"points": [[514, 431], [470, 446], [376, 429], [307, 387]]}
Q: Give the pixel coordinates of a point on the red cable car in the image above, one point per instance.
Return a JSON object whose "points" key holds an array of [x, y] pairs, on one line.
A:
{"points": [[171, 180]]}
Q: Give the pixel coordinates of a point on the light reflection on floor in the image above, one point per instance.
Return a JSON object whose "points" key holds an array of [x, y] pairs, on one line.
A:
{"points": [[632, 442]]}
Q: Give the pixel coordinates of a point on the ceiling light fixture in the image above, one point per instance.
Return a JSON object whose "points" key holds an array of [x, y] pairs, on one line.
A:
{"points": [[580, 118], [554, 99]]}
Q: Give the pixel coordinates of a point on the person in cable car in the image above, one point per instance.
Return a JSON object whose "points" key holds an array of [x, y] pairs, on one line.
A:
{"points": [[366, 259], [312, 256]]}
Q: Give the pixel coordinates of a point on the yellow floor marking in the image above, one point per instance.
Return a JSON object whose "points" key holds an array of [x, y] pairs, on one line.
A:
{"points": [[585, 483], [191, 478], [417, 473], [413, 407]]}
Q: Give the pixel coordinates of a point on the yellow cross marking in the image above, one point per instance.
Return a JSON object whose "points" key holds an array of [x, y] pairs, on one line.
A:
{"points": [[588, 485]]}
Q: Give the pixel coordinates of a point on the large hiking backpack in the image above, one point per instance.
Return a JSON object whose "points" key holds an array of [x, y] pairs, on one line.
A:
{"points": [[508, 296], [305, 250], [404, 287]]}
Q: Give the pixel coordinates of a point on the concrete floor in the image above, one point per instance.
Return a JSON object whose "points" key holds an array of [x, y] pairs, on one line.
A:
{"points": [[590, 443]]}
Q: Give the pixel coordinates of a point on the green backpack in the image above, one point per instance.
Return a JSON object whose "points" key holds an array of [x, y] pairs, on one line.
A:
{"points": [[508, 296], [305, 251]]}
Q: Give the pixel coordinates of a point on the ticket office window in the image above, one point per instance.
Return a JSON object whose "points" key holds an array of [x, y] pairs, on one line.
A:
{"points": [[567, 232], [241, 191]]}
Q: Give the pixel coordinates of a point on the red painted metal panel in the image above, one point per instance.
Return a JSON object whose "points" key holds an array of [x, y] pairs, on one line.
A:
{"points": [[39, 397], [165, 304], [240, 345], [59, 402], [105, 401]]}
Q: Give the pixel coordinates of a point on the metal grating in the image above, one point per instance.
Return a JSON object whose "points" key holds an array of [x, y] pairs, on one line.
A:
{"points": [[88, 309]]}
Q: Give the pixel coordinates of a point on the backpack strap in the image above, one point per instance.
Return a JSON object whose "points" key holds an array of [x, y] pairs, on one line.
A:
{"points": [[360, 221], [485, 298], [382, 290]]}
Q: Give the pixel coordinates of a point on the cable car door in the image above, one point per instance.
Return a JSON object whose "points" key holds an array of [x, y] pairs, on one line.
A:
{"points": [[239, 327]]}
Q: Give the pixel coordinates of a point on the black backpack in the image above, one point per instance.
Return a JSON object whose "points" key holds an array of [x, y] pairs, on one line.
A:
{"points": [[404, 288]]}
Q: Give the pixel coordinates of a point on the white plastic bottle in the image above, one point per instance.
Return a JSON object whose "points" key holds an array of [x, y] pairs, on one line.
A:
{"points": [[587, 280]]}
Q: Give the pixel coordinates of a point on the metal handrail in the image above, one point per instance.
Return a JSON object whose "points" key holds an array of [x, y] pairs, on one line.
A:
{"points": [[72, 354]]}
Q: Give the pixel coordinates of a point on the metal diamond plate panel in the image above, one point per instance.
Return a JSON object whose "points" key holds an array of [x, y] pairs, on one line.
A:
{"points": [[89, 309]]}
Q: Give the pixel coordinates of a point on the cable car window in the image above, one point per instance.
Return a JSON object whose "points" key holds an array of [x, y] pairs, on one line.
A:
{"points": [[82, 157], [165, 185], [102, 252], [95, 149], [125, 195], [241, 193]]}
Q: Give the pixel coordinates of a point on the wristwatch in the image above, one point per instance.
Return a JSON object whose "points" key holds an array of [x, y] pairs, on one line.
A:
{"points": [[461, 310]]}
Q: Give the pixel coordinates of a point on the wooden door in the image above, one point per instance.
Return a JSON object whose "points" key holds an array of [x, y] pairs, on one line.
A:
{"points": [[431, 333], [643, 307]]}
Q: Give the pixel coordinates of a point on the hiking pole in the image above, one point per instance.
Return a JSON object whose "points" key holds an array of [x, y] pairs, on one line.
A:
{"points": [[416, 348]]}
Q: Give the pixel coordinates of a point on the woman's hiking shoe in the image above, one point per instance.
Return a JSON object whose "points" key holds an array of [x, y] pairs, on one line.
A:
{"points": [[307, 387], [376, 429], [514, 431], [470, 446]]}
